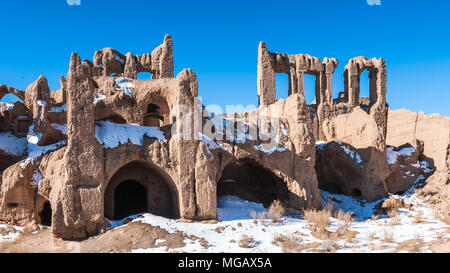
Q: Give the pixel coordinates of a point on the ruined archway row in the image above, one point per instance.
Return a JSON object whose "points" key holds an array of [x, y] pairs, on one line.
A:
{"points": [[74, 175], [296, 66]]}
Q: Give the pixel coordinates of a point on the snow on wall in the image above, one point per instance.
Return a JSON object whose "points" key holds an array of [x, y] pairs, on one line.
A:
{"points": [[353, 154], [322, 145], [125, 86], [391, 155], [59, 127], [112, 134], [34, 150], [9, 106], [99, 97]]}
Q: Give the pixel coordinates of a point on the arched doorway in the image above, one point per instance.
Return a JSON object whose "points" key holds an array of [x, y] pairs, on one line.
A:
{"points": [[250, 181], [46, 214], [137, 187], [157, 113]]}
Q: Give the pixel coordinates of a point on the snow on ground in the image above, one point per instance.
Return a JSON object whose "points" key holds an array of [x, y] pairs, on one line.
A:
{"points": [[10, 233], [235, 220], [112, 134], [13, 145], [60, 127], [62, 108]]}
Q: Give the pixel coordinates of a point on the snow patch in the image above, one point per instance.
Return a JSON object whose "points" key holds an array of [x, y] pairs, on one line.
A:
{"points": [[125, 86], [13, 145], [62, 108], [352, 153], [391, 155], [321, 145], [99, 97], [112, 134]]}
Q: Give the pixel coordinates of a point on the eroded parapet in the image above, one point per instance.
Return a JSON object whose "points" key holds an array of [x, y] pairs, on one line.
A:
{"points": [[295, 66], [108, 61]]}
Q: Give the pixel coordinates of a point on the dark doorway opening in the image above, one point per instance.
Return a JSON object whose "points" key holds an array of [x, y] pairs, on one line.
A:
{"points": [[153, 116], [250, 181], [46, 214], [130, 197]]}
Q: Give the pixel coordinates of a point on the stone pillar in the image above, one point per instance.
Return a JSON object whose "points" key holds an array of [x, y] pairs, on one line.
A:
{"points": [[62, 80], [318, 87], [301, 82], [186, 144], [352, 84], [77, 199], [131, 69], [293, 82], [266, 76], [327, 84]]}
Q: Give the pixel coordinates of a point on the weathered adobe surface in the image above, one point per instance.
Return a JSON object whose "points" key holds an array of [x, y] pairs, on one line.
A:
{"points": [[433, 130], [79, 176]]}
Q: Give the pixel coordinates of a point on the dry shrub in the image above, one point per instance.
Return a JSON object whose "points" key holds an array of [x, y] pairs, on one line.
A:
{"points": [[292, 243], [329, 207], [395, 221], [320, 218], [388, 237], [345, 218], [276, 209], [259, 217], [329, 246], [372, 236], [393, 213], [247, 242], [390, 205], [418, 218]]}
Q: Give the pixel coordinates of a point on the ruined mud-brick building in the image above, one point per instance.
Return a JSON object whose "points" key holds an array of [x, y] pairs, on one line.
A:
{"points": [[107, 145]]}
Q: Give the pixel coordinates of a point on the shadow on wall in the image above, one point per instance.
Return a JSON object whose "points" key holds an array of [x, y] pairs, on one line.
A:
{"points": [[250, 181]]}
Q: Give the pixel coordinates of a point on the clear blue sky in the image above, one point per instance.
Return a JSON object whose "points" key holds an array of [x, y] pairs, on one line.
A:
{"points": [[219, 41]]}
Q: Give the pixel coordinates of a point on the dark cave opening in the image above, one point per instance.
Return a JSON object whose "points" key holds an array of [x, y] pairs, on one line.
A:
{"points": [[249, 181], [46, 214], [130, 197]]}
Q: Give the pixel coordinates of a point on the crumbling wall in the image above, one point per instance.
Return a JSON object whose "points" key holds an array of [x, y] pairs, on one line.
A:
{"points": [[434, 130], [108, 61]]}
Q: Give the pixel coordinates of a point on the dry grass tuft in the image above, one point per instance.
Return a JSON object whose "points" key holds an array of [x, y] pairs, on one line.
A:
{"points": [[418, 218], [247, 242], [276, 209], [345, 218], [329, 246], [388, 236], [319, 218], [259, 217]]}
